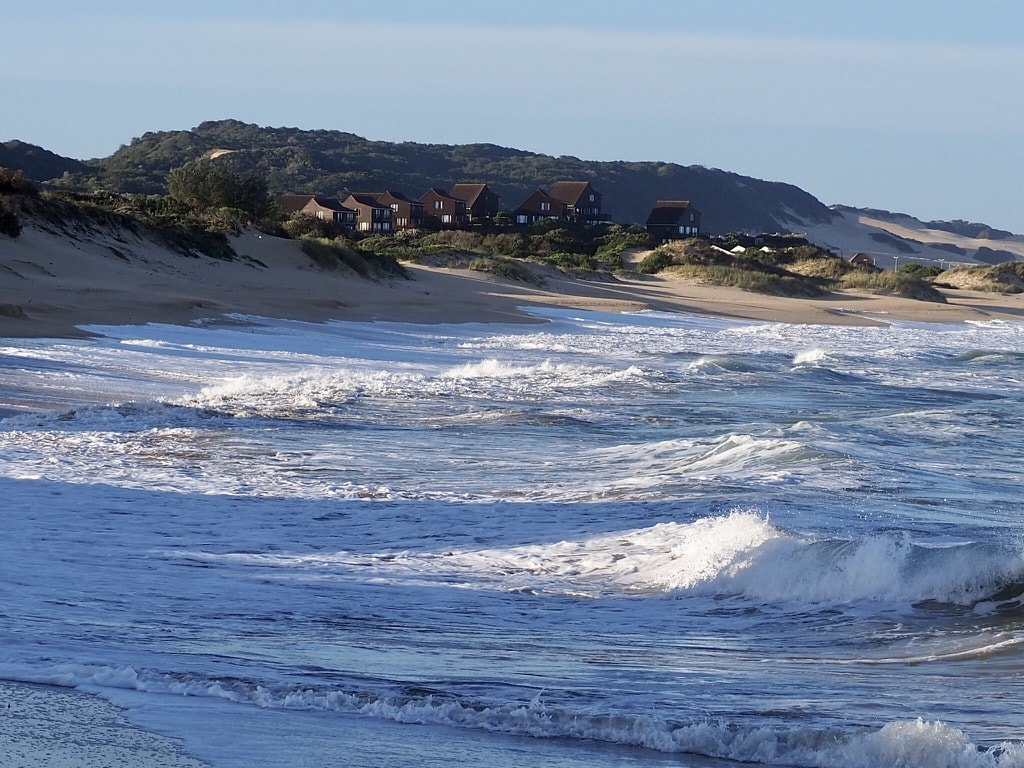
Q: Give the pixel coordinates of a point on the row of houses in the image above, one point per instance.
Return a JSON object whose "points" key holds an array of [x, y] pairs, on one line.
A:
{"points": [[467, 204]]}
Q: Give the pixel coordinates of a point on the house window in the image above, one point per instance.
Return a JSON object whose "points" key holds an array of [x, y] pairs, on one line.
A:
{"points": [[545, 206], [438, 205], [592, 198]]}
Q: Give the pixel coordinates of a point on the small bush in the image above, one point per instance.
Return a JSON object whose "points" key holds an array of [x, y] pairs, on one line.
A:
{"points": [[752, 280], [304, 225], [611, 246], [571, 261], [656, 261], [457, 239], [920, 270], [825, 268], [331, 254], [10, 223], [895, 283], [15, 183], [509, 268]]}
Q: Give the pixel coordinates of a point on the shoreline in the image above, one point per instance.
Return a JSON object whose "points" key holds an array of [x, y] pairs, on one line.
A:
{"points": [[54, 285], [68, 728]]}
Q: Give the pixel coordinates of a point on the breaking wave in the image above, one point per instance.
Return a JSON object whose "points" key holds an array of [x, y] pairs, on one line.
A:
{"points": [[912, 743], [741, 554]]}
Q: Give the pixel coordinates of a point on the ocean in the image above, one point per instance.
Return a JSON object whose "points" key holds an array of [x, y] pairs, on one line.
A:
{"points": [[639, 539]]}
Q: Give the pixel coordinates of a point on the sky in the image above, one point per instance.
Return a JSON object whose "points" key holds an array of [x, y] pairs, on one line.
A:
{"points": [[913, 106]]}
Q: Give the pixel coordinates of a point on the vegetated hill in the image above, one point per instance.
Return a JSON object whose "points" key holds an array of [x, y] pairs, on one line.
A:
{"points": [[37, 163], [335, 163]]}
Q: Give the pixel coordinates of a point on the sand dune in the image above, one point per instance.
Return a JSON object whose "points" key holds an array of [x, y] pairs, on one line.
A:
{"points": [[52, 285]]}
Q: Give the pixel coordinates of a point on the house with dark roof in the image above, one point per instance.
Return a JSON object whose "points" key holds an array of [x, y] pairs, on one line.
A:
{"points": [[371, 216], [481, 202], [327, 209], [449, 211], [539, 206], [583, 202], [672, 219], [408, 213]]}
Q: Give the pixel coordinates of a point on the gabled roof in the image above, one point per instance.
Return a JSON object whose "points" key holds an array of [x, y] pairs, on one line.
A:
{"points": [[532, 203], [468, 192], [295, 203], [669, 212], [393, 195], [571, 191], [366, 198], [440, 193]]}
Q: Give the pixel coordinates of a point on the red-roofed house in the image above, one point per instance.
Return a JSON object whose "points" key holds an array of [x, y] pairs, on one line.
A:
{"points": [[583, 202], [408, 213], [481, 202], [538, 206], [448, 210], [324, 208], [371, 216], [862, 259]]}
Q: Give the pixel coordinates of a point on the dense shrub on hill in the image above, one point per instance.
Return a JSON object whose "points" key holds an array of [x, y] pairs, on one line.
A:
{"points": [[335, 163], [39, 164], [209, 189]]}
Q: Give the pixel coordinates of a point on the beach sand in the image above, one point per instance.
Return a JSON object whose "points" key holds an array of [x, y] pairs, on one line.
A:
{"points": [[60, 728], [50, 286]]}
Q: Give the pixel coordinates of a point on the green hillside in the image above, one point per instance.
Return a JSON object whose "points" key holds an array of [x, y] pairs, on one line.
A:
{"points": [[335, 163]]}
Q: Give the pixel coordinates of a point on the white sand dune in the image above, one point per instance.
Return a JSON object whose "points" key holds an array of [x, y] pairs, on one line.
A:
{"points": [[852, 231], [51, 284]]}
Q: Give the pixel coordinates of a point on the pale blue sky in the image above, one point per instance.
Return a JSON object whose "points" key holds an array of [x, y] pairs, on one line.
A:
{"points": [[909, 105]]}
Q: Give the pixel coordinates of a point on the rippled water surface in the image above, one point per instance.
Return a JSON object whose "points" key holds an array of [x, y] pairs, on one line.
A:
{"points": [[604, 539]]}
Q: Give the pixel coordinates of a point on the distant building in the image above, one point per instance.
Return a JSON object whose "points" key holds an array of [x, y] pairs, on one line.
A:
{"points": [[449, 211], [862, 259], [481, 202], [583, 202], [672, 219], [408, 213], [371, 216], [327, 209], [539, 206]]}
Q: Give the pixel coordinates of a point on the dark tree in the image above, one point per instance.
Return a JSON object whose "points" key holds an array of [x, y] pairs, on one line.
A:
{"points": [[206, 187]]}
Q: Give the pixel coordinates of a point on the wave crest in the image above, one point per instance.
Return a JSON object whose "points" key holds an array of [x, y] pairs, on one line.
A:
{"points": [[904, 743]]}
